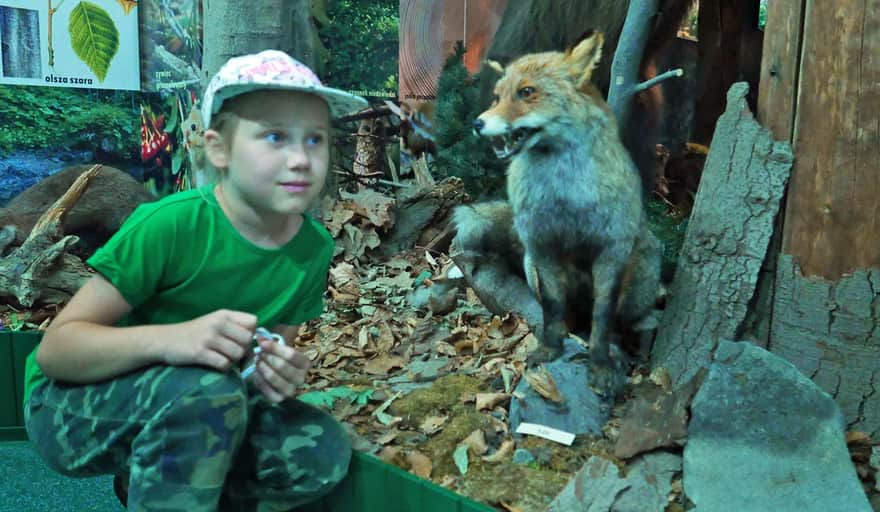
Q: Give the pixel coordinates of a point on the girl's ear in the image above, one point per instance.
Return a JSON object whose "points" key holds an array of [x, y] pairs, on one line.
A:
{"points": [[215, 149]]}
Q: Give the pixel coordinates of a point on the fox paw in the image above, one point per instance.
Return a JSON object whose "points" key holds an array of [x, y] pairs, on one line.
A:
{"points": [[605, 378], [543, 354]]}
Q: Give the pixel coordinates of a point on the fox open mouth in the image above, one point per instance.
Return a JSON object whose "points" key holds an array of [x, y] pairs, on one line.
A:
{"points": [[510, 144]]}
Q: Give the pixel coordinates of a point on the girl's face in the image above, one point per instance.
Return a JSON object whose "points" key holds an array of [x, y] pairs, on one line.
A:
{"points": [[277, 153]]}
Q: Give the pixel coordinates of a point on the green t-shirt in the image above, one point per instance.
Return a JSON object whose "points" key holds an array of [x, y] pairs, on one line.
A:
{"points": [[180, 258]]}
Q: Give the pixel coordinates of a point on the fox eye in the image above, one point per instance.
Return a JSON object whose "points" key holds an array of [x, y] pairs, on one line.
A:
{"points": [[525, 92], [495, 98]]}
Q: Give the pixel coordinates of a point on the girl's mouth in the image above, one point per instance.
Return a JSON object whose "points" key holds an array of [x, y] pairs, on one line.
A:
{"points": [[295, 186]]}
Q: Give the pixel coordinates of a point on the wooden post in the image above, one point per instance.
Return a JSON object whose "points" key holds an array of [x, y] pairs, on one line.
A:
{"points": [[832, 223], [819, 88]]}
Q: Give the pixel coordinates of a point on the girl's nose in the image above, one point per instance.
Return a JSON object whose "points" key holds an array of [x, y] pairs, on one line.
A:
{"points": [[297, 157]]}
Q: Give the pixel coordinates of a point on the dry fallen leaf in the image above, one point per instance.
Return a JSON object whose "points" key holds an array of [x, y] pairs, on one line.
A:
{"points": [[383, 364], [389, 454], [445, 349], [476, 442], [419, 464], [490, 400], [510, 508], [447, 481], [542, 382], [502, 452], [387, 437], [371, 204], [432, 424], [660, 377]]}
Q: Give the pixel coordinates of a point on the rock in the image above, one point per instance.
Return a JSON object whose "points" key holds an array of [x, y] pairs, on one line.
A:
{"points": [[654, 418], [594, 487], [583, 411], [522, 456], [599, 487], [765, 437], [650, 479]]}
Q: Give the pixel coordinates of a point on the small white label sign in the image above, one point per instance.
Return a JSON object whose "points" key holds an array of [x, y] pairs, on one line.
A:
{"points": [[555, 435]]}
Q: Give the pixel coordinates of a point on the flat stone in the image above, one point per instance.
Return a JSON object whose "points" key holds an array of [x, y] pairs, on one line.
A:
{"points": [[583, 410], [599, 487], [765, 437]]}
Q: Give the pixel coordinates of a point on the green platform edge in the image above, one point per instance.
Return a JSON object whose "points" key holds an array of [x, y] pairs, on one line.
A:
{"points": [[371, 485]]}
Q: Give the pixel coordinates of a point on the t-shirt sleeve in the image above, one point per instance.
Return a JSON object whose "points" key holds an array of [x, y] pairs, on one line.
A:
{"points": [[135, 257], [312, 303]]}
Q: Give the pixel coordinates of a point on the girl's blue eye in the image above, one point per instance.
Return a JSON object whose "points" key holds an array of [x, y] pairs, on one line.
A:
{"points": [[315, 140], [274, 137]]}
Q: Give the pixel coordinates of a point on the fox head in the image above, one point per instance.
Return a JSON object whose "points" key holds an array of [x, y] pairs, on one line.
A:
{"points": [[540, 96]]}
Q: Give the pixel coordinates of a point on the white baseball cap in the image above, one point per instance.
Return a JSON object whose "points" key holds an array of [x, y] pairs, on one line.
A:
{"points": [[272, 69]]}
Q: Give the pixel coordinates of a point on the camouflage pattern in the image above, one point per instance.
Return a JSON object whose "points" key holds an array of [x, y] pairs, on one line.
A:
{"points": [[191, 439]]}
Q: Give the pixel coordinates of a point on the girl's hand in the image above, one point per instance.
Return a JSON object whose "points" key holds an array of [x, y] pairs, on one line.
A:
{"points": [[281, 370], [217, 340]]}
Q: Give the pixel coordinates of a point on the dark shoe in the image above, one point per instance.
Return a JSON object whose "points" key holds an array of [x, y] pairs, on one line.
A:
{"points": [[120, 487]]}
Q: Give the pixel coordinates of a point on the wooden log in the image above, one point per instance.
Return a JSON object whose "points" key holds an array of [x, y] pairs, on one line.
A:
{"points": [[417, 210], [40, 269], [730, 227]]}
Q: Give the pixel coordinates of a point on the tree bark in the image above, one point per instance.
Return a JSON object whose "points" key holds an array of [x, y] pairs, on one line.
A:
{"points": [[830, 331], [235, 28], [730, 227]]}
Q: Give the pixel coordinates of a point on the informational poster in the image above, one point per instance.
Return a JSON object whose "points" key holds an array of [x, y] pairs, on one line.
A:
{"points": [[70, 43], [429, 31], [171, 44]]}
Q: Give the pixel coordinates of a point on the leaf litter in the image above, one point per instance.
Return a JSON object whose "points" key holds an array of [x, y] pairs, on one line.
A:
{"points": [[426, 382]]}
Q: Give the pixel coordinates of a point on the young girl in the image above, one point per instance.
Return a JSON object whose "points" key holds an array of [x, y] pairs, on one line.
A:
{"points": [[140, 373]]}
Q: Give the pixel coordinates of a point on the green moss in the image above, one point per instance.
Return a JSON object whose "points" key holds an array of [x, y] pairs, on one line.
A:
{"points": [[464, 420], [518, 485], [436, 400]]}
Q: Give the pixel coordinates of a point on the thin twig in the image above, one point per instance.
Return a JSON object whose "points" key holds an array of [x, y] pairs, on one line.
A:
{"points": [[647, 84]]}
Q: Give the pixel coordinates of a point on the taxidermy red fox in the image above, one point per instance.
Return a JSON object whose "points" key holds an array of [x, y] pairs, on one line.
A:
{"points": [[575, 200]]}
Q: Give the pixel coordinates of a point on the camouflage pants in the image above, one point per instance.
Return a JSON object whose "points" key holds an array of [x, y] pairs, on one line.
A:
{"points": [[191, 439]]}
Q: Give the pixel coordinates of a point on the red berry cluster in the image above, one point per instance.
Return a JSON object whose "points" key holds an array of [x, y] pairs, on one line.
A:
{"points": [[154, 140]]}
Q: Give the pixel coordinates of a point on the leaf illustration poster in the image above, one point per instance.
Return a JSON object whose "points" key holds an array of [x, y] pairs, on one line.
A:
{"points": [[70, 43]]}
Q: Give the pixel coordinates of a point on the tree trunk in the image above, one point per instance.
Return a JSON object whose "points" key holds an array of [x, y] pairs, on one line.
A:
{"points": [[235, 28]]}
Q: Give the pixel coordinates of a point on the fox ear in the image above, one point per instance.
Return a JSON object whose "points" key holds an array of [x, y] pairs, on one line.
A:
{"points": [[494, 64], [585, 56]]}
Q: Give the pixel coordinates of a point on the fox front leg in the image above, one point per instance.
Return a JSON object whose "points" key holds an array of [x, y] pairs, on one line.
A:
{"points": [[548, 281], [606, 271]]}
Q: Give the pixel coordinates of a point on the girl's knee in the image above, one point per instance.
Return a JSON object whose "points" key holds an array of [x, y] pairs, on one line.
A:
{"points": [[202, 395]]}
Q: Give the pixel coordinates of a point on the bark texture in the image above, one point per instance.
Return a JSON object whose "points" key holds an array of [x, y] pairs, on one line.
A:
{"points": [[830, 330], [730, 228], [235, 28]]}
